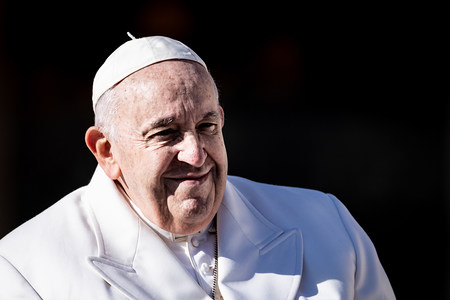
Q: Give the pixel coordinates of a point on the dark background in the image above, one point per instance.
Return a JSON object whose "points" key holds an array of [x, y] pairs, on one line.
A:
{"points": [[351, 99]]}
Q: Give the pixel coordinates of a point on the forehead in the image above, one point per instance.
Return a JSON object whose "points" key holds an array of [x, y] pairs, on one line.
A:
{"points": [[166, 88]]}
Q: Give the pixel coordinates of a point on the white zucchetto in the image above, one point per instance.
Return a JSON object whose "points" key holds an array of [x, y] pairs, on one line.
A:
{"points": [[135, 55]]}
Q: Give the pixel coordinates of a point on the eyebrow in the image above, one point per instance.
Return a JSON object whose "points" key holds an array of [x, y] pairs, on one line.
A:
{"points": [[211, 115], [164, 122], [161, 122]]}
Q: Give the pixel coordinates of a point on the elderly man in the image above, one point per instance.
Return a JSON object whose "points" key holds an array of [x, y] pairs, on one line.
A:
{"points": [[160, 219]]}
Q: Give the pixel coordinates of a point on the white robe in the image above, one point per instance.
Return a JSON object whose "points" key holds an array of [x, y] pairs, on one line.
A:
{"points": [[274, 243]]}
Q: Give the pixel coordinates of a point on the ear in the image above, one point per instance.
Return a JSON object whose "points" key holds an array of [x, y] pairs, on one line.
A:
{"points": [[222, 115], [101, 148]]}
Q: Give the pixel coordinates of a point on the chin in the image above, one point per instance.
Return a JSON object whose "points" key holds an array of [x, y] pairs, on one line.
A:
{"points": [[197, 210], [195, 216]]}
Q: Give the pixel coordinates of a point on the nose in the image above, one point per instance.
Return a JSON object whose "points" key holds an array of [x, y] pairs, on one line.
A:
{"points": [[191, 151]]}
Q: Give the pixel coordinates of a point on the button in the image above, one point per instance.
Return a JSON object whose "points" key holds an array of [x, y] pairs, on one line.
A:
{"points": [[206, 269], [195, 242]]}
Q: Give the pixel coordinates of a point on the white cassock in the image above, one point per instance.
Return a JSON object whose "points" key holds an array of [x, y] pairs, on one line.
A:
{"points": [[273, 243]]}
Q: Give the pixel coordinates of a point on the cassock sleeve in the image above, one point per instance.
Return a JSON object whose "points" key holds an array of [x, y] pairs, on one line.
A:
{"points": [[371, 281]]}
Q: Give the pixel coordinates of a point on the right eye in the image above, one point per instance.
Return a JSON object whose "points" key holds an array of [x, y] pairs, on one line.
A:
{"points": [[164, 135], [165, 132]]}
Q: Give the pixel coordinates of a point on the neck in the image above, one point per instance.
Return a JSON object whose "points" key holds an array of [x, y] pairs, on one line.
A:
{"points": [[171, 227]]}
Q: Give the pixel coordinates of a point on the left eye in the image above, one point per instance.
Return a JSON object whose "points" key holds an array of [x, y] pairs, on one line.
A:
{"points": [[207, 126]]}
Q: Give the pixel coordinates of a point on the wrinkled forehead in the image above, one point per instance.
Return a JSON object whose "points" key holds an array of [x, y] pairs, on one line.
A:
{"points": [[165, 87], [162, 73], [166, 79]]}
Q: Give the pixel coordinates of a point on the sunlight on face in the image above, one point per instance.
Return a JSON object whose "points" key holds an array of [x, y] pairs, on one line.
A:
{"points": [[171, 150]]}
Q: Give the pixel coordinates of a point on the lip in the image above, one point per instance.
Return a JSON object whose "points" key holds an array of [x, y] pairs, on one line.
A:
{"points": [[191, 178]]}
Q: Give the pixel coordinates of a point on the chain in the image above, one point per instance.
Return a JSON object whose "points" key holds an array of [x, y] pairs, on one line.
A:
{"points": [[215, 292]]}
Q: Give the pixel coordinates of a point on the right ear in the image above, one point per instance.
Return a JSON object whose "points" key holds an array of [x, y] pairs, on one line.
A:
{"points": [[100, 146]]}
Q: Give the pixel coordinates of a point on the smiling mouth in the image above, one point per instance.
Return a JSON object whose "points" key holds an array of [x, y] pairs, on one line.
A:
{"points": [[194, 179]]}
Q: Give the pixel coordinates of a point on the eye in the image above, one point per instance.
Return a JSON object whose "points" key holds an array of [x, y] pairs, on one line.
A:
{"points": [[163, 135], [208, 127], [165, 132]]}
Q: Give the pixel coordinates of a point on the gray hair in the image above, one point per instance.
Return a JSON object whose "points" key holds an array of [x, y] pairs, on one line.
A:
{"points": [[106, 111]]}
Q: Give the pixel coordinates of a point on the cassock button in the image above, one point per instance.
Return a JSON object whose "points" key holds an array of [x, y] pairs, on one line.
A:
{"points": [[195, 242], [206, 269]]}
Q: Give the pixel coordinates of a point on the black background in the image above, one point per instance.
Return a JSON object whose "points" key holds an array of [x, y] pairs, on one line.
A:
{"points": [[350, 99]]}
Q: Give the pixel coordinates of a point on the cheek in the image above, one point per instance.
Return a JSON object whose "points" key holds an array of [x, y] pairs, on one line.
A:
{"points": [[216, 149], [145, 178], [138, 166], [151, 168]]}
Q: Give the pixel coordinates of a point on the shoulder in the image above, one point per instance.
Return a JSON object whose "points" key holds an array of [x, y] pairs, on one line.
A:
{"points": [[292, 206], [49, 229], [257, 192]]}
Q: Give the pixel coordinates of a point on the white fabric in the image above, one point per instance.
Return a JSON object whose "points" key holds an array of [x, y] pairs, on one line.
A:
{"points": [[274, 243], [195, 251], [135, 55]]}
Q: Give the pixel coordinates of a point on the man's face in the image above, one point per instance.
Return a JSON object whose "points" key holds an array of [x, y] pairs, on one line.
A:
{"points": [[170, 147]]}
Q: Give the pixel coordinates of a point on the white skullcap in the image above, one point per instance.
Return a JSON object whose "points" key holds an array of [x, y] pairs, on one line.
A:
{"points": [[135, 55]]}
